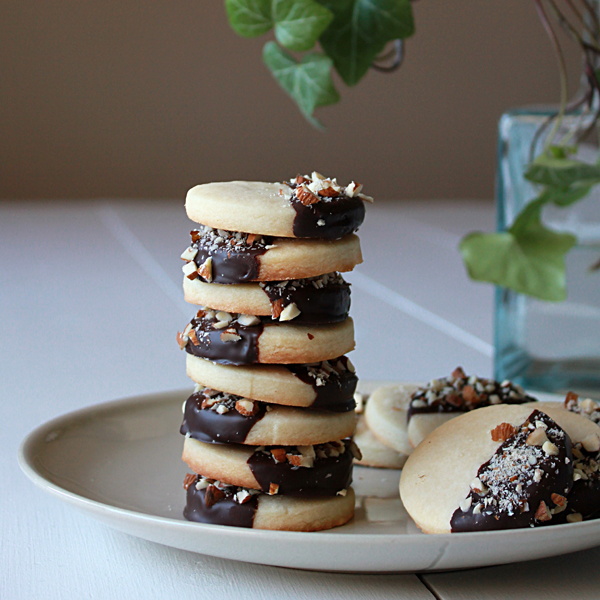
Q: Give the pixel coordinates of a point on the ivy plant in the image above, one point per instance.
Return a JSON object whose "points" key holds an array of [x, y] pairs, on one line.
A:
{"points": [[347, 36], [529, 257]]}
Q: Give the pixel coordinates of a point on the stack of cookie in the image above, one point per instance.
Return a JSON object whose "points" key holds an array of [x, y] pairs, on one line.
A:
{"points": [[268, 428]]}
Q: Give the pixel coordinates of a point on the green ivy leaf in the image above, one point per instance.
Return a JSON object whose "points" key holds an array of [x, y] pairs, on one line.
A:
{"points": [[249, 18], [360, 30], [298, 23], [308, 82], [562, 172], [566, 196], [528, 258]]}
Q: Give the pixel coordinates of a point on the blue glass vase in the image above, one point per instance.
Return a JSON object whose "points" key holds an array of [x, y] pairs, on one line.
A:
{"points": [[548, 346]]}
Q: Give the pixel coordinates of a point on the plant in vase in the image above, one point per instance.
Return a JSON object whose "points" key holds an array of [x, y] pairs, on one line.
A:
{"points": [[541, 171], [545, 168]]}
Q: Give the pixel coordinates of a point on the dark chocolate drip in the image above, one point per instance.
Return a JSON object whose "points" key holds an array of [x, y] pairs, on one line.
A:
{"points": [[338, 216], [334, 392], [207, 425], [326, 477], [231, 263], [585, 498], [514, 497], [225, 511], [328, 304], [218, 346], [585, 495], [456, 401]]}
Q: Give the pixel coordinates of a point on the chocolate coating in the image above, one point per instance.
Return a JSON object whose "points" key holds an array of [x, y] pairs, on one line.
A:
{"points": [[329, 304], [325, 478], [336, 393], [458, 404], [209, 426], [516, 508], [210, 345], [225, 511], [585, 495], [237, 263], [341, 215], [585, 498]]}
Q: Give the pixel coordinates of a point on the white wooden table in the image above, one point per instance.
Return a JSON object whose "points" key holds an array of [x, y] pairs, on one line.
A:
{"points": [[90, 301]]}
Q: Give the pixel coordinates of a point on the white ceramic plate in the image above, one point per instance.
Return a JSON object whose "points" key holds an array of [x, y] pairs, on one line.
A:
{"points": [[120, 463]]}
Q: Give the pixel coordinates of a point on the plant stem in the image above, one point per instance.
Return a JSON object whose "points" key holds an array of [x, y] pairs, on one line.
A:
{"points": [[562, 68]]}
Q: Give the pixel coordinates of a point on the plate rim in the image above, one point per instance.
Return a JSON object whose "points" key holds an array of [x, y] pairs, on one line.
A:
{"points": [[36, 437]]}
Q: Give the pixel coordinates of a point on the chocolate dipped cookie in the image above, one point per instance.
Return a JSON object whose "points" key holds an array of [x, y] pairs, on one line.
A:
{"points": [[323, 299], [328, 385], [498, 467], [232, 257], [217, 503], [442, 399], [304, 207], [212, 416], [319, 470], [234, 339]]}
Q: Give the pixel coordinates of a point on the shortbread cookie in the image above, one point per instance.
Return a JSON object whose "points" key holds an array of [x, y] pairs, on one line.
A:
{"points": [[374, 453], [443, 399], [233, 339], [214, 502], [386, 415], [503, 466], [301, 208], [320, 470], [219, 256], [218, 417], [328, 385], [324, 299]]}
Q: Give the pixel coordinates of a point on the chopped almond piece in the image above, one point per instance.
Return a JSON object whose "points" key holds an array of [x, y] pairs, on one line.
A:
{"points": [[458, 373], [205, 270], [276, 308], [328, 192], [246, 408], [273, 489], [278, 454], [188, 480], [542, 513], [212, 495], [181, 340], [306, 196], [502, 432]]}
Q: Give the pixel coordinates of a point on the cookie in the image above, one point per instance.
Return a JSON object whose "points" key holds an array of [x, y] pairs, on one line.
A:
{"points": [[374, 453], [320, 470], [443, 399], [219, 256], [329, 385], [386, 414], [323, 299], [304, 207], [233, 339], [217, 417], [214, 502], [498, 467]]}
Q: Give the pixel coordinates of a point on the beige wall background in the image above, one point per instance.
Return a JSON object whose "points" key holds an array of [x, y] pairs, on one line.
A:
{"points": [[106, 98]]}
